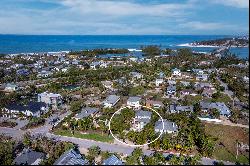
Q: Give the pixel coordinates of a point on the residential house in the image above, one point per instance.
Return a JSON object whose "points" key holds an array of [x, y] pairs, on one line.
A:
{"points": [[107, 84], [112, 160], [176, 72], [51, 99], [71, 157], [86, 112], [159, 82], [35, 109], [220, 106], [154, 104], [202, 77], [22, 72], [10, 87], [171, 82], [134, 102], [136, 75], [171, 90], [44, 74], [198, 71], [173, 108], [186, 92], [111, 101], [208, 92], [202, 85], [141, 119], [29, 157], [186, 75], [162, 75], [166, 126], [95, 65], [104, 64]]}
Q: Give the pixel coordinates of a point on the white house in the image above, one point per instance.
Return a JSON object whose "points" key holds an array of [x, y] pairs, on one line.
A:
{"points": [[95, 65], [176, 72], [159, 82], [51, 99], [111, 101], [134, 102]]}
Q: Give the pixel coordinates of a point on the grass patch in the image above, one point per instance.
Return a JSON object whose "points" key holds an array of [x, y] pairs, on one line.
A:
{"points": [[92, 136], [226, 145], [223, 98]]}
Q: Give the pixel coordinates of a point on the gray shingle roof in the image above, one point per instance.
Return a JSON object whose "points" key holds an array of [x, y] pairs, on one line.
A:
{"points": [[143, 113], [112, 160], [71, 157], [111, 99], [28, 157], [170, 126], [134, 99], [86, 112], [31, 106]]}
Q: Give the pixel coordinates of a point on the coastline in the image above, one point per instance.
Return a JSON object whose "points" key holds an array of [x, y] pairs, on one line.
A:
{"points": [[208, 46]]}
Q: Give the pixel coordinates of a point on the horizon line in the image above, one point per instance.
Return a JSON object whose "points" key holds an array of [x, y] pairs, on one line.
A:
{"points": [[127, 34]]}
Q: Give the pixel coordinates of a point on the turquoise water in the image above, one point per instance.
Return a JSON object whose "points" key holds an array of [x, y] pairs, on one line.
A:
{"points": [[48, 43]]}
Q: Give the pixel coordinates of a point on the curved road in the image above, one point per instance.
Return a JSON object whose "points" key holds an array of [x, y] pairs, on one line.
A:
{"points": [[119, 148]]}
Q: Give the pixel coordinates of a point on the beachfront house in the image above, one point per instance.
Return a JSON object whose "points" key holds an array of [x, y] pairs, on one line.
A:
{"points": [[111, 101], [51, 99], [134, 102], [71, 157], [141, 119], [165, 127], [112, 160], [29, 157]]}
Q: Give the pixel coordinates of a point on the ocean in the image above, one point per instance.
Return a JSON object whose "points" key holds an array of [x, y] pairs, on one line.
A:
{"points": [[11, 44]]}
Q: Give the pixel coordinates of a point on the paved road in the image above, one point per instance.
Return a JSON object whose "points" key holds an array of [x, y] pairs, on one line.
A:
{"points": [[227, 91], [84, 143]]}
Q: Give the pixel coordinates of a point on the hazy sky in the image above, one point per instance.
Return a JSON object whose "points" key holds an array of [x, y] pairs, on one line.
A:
{"points": [[124, 17]]}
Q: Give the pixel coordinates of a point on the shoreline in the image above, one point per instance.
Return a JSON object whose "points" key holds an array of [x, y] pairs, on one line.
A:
{"points": [[206, 46]]}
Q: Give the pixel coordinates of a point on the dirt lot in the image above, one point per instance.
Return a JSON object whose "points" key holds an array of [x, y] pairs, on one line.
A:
{"points": [[227, 138]]}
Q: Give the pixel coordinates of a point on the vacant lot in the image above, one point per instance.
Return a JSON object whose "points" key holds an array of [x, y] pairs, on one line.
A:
{"points": [[226, 143]]}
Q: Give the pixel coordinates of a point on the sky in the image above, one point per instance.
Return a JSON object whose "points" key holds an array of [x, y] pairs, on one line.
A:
{"points": [[124, 17]]}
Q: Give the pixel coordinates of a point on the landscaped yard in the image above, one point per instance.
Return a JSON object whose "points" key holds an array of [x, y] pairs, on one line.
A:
{"points": [[92, 136], [226, 143]]}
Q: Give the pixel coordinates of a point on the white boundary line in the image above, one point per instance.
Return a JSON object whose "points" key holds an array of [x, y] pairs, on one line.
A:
{"points": [[133, 144]]}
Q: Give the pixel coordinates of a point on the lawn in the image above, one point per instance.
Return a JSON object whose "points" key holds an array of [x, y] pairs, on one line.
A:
{"points": [[226, 144], [92, 136]]}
